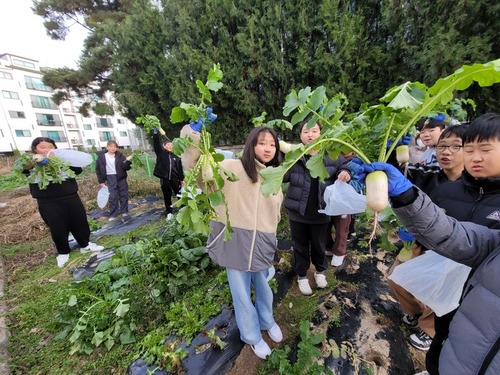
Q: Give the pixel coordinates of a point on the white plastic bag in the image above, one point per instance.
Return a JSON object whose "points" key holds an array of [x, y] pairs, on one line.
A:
{"points": [[434, 280], [102, 196], [73, 157], [342, 199]]}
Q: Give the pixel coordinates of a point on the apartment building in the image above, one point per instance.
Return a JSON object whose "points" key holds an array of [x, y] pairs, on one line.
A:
{"points": [[27, 111]]}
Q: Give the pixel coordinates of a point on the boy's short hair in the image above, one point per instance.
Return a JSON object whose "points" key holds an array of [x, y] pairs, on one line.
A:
{"points": [[453, 130], [437, 121], [483, 128], [112, 142]]}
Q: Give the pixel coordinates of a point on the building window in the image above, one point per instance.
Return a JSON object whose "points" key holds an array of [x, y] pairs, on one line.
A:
{"points": [[34, 83], [42, 102], [105, 136], [17, 114], [90, 142], [120, 121], [45, 119], [23, 133], [5, 75], [26, 64], [10, 95], [87, 127], [123, 134], [56, 136], [103, 122]]}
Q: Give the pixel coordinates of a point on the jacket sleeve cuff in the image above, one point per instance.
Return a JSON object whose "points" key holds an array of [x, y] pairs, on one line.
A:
{"points": [[405, 198]]}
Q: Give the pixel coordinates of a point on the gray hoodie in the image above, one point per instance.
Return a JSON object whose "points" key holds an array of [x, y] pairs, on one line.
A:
{"points": [[474, 340]]}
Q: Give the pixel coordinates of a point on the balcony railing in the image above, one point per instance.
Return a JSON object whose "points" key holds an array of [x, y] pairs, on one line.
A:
{"points": [[72, 126], [76, 141], [38, 86], [49, 123], [43, 105]]}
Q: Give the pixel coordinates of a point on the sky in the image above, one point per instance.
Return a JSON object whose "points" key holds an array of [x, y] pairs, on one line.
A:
{"points": [[22, 33]]}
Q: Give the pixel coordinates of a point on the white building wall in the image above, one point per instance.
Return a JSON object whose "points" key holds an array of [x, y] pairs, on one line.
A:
{"points": [[27, 112]]}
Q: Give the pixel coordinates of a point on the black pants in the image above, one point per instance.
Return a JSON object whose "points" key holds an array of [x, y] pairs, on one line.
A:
{"points": [[169, 188], [118, 195], [442, 328], [65, 215], [308, 246]]}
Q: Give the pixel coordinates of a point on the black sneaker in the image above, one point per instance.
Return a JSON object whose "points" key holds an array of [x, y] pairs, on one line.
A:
{"points": [[420, 340], [410, 320]]}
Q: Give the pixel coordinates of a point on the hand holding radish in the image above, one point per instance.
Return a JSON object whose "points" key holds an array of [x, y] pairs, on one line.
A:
{"points": [[397, 183]]}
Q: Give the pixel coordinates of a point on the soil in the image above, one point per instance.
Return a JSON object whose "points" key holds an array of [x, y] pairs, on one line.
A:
{"points": [[369, 329]]}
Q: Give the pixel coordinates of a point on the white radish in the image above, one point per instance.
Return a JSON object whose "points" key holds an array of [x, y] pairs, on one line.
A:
{"points": [[377, 197], [403, 154], [377, 188]]}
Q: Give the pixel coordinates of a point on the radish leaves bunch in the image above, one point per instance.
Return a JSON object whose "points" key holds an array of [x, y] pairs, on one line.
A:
{"points": [[366, 132], [150, 122], [197, 207], [51, 170]]}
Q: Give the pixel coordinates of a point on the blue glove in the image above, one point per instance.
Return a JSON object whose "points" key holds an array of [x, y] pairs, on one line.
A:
{"points": [[405, 236], [403, 141], [155, 130], [196, 126], [43, 162], [397, 182]]}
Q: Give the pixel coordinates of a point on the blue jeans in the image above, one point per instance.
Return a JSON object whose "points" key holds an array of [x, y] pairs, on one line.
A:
{"points": [[250, 318]]}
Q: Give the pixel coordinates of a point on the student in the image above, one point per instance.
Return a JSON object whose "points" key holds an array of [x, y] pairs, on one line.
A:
{"points": [[303, 200], [474, 197], [61, 208], [473, 343], [449, 155], [248, 256], [168, 169], [430, 129], [111, 168]]}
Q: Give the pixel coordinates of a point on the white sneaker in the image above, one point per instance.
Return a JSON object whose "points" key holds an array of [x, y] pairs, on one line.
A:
{"points": [[62, 259], [275, 333], [169, 216], [261, 350], [337, 260], [112, 218], [320, 280], [304, 287], [91, 247]]}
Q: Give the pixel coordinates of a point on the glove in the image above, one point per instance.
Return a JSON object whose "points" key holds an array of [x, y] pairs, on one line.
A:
{"points": [[405, 236], [40, 159], [402, 141], [397, 182], [155, 130], [196, 126]]}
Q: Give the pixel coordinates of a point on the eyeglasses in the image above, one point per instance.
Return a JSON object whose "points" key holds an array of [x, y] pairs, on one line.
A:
{"points": [[452, 148]]}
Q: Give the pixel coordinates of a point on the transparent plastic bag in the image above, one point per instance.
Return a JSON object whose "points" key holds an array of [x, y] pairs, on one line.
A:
{"points": [[103, 196], [342, 199], [73, 157], [434, 280]]}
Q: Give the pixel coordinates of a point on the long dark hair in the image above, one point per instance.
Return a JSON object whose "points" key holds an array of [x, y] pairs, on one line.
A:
{"points": [[248, 157], [39, 140]]}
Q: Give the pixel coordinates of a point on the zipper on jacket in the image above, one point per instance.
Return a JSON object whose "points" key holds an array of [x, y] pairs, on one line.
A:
{"points": [[252, 246]]}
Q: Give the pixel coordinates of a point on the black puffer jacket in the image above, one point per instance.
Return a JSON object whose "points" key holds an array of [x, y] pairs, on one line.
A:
{"points": [[168, 165], [468, 199], [299, 178], [122, 165]]}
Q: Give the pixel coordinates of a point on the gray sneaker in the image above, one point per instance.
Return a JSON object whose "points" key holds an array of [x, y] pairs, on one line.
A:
{"points": [[420, 340]]}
